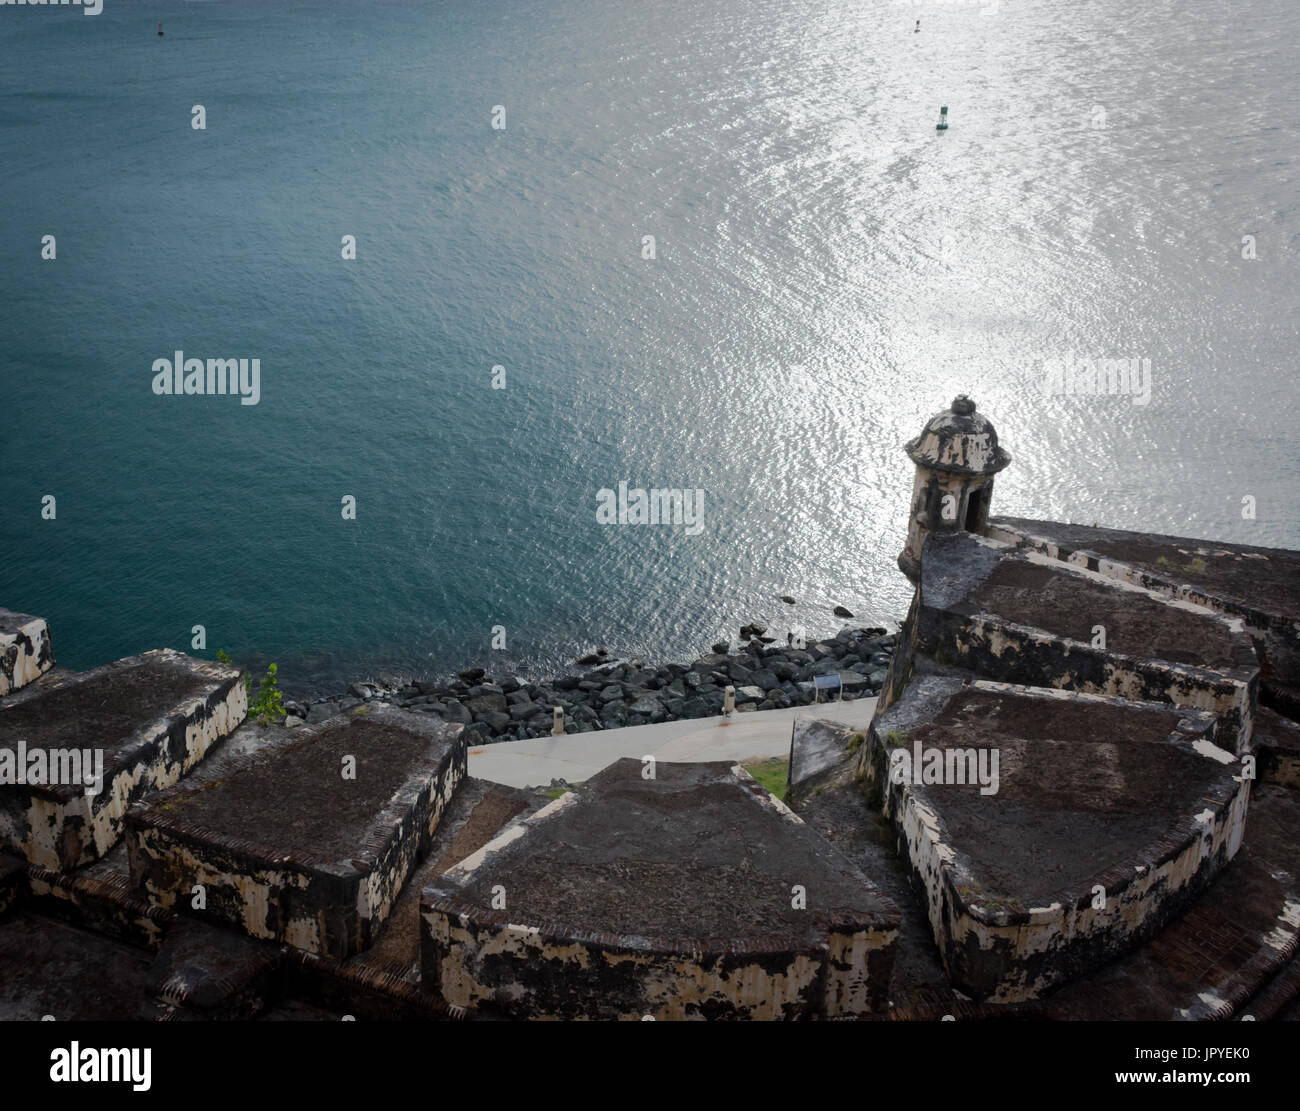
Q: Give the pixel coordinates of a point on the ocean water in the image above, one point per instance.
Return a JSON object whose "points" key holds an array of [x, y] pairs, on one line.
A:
{"points": [[829, 272]]}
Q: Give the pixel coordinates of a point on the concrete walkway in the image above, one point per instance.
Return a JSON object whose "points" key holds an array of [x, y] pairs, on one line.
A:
{"points": [[578, 756]]}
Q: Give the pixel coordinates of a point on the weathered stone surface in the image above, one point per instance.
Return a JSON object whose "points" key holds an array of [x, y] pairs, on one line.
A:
{"points": [[1259, 585], [816, 749], [648, 705], [1105, 820], [1277, 746], [614, 713], [784, 670], [669, 897], [26, 651], [13, 881], [522, 711], [51, 968], [457, 713], [1021, 617], [146, 720], [320, 711], [477, 813], [695, 708], [211, 973], [489, 703], [287, 848], [1211, 962], [497, 722]]}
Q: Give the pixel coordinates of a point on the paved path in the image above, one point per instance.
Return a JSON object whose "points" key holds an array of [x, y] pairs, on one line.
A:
{"points": [[578, 756]]}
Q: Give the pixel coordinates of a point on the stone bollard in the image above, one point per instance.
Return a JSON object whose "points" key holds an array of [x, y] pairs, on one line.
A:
{"points": [[728, 701], [557, 727]]}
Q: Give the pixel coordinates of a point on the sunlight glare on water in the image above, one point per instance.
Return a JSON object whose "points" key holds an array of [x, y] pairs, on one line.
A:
{"points": [[830, 272]]}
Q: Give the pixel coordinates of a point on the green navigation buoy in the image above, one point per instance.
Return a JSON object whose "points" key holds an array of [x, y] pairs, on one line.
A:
{"points": [[942, 125]]}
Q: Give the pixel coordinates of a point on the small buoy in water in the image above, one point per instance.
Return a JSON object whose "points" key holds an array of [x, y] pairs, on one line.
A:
{"points": [[160, 28], [942, 125], [917, 28]]}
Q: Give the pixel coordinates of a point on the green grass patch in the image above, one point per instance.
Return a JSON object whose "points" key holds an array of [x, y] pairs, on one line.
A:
{"points": [[772, 774]]}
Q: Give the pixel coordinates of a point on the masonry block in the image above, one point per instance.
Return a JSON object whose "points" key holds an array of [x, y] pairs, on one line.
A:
{"points": [[692, 894], [1050, 831], [77, 750], [308, 843], [26, 652]]}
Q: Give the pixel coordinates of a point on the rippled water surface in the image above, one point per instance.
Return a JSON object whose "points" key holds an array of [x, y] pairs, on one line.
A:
{"points": [[830, 271]]}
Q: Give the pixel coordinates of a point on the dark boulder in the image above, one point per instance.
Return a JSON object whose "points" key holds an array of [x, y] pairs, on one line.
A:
{"points": [[695, 708], [457, 713], [522, 711], [783, 669], [487, 703]]}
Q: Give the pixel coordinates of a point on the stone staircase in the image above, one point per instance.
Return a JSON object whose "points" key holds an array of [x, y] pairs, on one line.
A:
{"points": [[1101, 821], [214, 868], [1140, 857], [1122, 870]]}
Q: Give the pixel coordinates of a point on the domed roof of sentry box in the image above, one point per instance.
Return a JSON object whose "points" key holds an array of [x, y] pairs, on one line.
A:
{"points": [[961, 440]]}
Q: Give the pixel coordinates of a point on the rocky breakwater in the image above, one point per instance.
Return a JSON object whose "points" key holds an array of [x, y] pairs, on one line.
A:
{"points": [[613, 693]]}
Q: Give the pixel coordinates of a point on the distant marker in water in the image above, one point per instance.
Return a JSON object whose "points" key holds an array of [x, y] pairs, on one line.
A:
{"points": [[917, 27], [160, 28], [942, 125]]}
